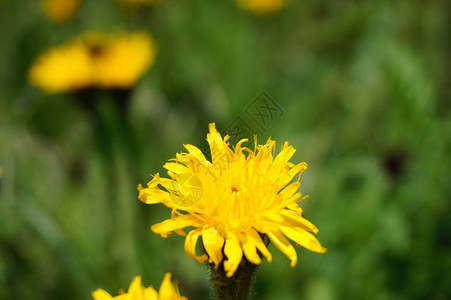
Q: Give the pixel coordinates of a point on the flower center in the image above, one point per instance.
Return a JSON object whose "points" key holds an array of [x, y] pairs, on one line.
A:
{"points": [[96, 50], [234, 188]]}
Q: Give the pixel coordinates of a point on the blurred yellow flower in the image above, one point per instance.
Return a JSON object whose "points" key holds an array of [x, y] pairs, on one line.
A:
{"points": [[60, 10], [94, 60], [232, 201], [136, 291], [261, 7]]}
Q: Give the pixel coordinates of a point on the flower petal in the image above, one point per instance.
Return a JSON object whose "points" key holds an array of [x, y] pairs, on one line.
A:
{"points": [[151, 294], [234, 255], [295, 209], [167, 289], [213, 243], [280, 161], [289, 219], [290, 190], [219, 149], [152, 195], [193, 150], [100, 294], [249, 249], [264, 156], [255, 238], [166, 227], [284, 179], [176, 168], [190, 245], [298, 221], [303, 238], [135, 290], [283, 245]]}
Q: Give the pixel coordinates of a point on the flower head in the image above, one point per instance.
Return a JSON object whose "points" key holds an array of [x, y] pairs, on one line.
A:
{"points": [[60, 10], [232, 201], [136, 291], [261, 7], [94, 60]]}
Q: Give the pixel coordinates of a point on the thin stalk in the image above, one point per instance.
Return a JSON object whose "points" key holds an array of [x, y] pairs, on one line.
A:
{"points": [[237, 287]]}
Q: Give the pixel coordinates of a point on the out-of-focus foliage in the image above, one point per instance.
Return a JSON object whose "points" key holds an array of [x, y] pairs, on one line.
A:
{"points": [[365, 90]]}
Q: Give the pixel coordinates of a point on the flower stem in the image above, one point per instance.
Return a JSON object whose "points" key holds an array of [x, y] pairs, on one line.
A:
{"points": [[237, 287]]}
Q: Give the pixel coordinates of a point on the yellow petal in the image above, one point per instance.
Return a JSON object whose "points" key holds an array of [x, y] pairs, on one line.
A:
{"points": [[190, 245], [196, 153], [234, 255], [101, 295], [135, 291], [290, 190], [151, 294], [303, 238], [175, 224], [167, 289], [287, 218], [176, 168], [255, 238], [218, 147], [299, 168], [213, 243], [284, 179], [153, 195], [295, 209], [249, 249], [165, 182], [297, 221], [280, 161], [283, 245], [265, 154], [238, 148]]}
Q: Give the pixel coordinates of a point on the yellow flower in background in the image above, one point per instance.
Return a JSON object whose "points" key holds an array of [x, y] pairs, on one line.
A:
{"points": [[232, 201], [120, 61], [261, 7], [64, 68], [136, 291], [60, 10], [94, 60]]}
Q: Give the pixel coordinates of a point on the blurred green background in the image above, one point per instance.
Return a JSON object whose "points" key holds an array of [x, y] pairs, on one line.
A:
{"points": [[365, 91]]}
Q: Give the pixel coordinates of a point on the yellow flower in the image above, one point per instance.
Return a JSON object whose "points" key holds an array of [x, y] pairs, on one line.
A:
{"points": [[60, 10], [261, 7], [136, 291], [232, 201], [94, 60]]}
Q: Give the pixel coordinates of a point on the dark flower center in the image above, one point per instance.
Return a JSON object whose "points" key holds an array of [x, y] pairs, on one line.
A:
{"points": [[96, 50]]}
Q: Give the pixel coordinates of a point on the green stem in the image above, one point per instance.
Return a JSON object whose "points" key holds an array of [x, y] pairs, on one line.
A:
{"points": [[237, 287]]}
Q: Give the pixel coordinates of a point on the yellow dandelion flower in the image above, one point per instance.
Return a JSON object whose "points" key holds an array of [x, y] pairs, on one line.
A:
{"points": [[136, 291], [261, 7], [64, 68], [60, 10], [94, 60], [232, 201]]}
